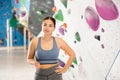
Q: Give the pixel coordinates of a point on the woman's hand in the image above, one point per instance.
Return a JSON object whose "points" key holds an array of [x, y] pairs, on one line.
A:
{"points": [[60, 70], [37, 65]]}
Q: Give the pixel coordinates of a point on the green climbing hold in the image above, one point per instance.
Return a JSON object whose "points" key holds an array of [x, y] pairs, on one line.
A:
{"points": [[75, 61], [33, 8], [39, 19], [13, 22], [77, 36], [39, 13], [64, 2], [23, 2], [59, 15]]}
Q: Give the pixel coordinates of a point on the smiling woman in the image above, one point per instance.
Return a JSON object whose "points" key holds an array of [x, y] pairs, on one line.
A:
{"points": [[48, 25], [45, 49]]}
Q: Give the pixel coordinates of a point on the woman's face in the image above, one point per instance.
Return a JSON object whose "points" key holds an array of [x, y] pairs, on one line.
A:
{"points": [[47, 27]]}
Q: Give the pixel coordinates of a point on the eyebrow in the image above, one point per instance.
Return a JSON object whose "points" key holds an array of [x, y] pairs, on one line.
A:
{"points": [[49, 24]]}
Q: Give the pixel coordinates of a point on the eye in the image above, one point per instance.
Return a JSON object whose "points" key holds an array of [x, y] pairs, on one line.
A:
{"points": [[44, 24], [50, 25]]}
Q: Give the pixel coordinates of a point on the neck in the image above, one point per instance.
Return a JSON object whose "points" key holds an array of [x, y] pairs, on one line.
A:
{"points": [[47, 37]]}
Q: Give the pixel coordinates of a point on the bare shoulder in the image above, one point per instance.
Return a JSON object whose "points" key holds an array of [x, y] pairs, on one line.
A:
{"points": [[59, 41], [34, 42]]}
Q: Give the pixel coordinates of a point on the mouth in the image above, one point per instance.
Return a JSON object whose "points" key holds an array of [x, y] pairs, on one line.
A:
{"points": [[46, 31]]}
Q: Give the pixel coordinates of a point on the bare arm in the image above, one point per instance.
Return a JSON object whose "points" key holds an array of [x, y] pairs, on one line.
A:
{"points": [[31, 52], [64, 46]]}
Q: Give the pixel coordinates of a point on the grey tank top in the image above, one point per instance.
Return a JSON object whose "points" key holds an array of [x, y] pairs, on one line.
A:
{"points": [[47, 56]]}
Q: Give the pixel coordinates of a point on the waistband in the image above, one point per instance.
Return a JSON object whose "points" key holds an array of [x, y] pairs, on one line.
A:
{"points": [[46, 72]]}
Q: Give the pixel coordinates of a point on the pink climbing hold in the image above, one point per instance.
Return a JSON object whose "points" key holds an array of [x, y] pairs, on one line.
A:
{"points": [[92, 18], [107, 9]]}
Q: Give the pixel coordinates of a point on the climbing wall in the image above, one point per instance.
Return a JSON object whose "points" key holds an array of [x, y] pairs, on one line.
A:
{"points": [[8, 10], [5, 13], [20, 8], [92, 29]]}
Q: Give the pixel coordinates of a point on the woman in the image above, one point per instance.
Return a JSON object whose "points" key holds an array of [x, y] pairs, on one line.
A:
{"points": [[43, 53]]}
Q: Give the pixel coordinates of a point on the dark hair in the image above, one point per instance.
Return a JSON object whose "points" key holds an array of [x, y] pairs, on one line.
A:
{"points": [[50, 18]]}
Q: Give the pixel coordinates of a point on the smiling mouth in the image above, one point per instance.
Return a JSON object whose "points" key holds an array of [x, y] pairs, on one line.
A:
{"points": [[46, 31]]}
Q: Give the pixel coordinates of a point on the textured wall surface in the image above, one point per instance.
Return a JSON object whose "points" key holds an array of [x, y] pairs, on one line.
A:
{"points": [[93, 36], [5, 13], [38, 10], [91, 29], [21, 9]]}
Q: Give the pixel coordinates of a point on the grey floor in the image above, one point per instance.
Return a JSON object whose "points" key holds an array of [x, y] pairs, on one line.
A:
{"points": [[13, 65]]}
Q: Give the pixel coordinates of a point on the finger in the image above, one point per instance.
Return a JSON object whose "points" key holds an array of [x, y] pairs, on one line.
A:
{"points": [[57, 67], [61, 71], [58, 70]]}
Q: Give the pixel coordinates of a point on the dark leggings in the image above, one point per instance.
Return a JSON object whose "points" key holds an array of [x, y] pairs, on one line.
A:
{"points": [[47, 74]]}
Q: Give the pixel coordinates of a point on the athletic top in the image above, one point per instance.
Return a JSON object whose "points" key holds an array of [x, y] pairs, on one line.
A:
{"points": [[47, 56]]}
